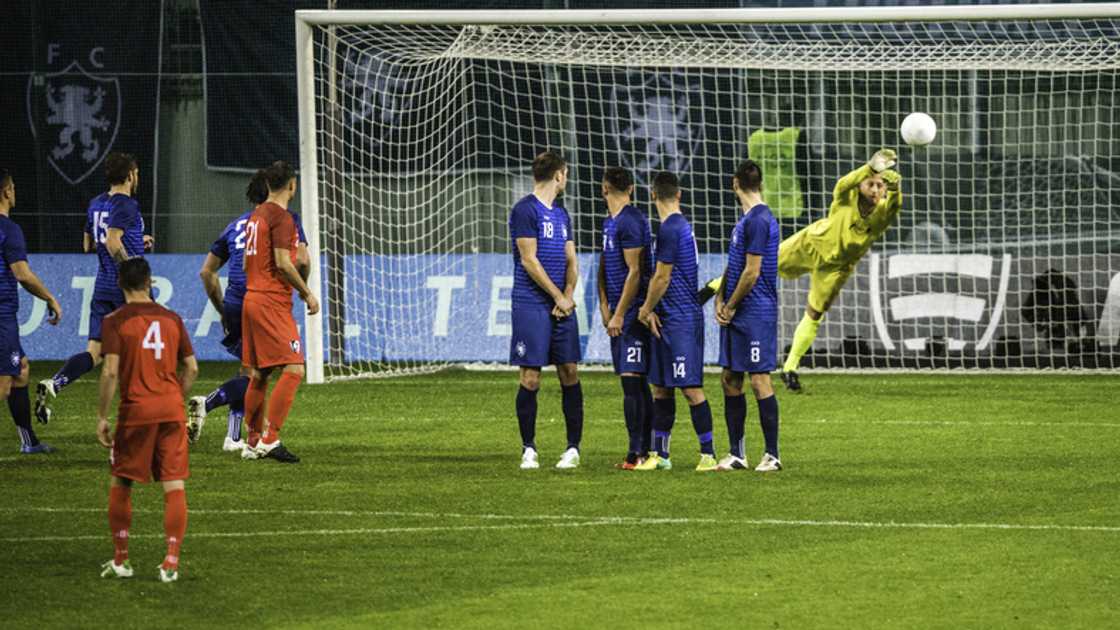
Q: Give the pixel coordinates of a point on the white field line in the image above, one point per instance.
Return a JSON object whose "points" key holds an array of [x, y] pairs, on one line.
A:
{"points": [[360, 531], [550, 520]]}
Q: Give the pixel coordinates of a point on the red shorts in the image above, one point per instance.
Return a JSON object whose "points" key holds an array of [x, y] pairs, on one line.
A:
{"points": [[150, 451], [269, 336]]}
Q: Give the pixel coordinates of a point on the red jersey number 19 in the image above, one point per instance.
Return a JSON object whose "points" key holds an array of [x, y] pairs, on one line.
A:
{"points": [[251, 238], [153, 340]]}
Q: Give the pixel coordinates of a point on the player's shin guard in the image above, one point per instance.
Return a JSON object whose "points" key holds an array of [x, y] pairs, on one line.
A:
{"points": [[72, 370], [768, 418], [254, 408], [664, 415], [632, 410], [527, 416], [802, 339], [120, 520], [231, 392], [19, 403], [735, 413], [572, 401], [702, 423], [283, 395], [647, 417], [174, 525]]}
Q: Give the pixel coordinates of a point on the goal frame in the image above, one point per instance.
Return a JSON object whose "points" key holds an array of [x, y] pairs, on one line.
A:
{"points": [[307, 20]]}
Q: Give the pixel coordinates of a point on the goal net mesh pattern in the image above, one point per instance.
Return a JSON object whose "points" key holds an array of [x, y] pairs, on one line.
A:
{"points": [[1004, 255]]}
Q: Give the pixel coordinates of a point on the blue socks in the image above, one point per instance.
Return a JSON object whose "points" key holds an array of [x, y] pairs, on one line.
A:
{"points": [[527, 416], [632, 409], [735, 412], [664, 415], [768, 418], [19, 403], [72, 370], [702, 422], [231, 392], [572, 396]]}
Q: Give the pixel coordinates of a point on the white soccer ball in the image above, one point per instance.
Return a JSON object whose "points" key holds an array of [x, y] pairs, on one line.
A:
{"points": [[918, 129]]}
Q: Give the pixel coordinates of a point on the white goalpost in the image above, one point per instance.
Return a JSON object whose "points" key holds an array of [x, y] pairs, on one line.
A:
{"points": [[417, 129]]}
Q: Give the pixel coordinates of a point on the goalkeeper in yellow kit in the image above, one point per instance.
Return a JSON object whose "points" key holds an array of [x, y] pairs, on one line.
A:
{"points": [[864, 204]]}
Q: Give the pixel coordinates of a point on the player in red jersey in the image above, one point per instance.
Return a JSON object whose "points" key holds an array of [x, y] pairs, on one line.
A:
{"points": [[146, 349], [270, 338]]}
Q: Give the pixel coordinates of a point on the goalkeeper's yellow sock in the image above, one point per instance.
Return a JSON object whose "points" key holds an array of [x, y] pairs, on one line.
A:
{"points": [[802, 338]]}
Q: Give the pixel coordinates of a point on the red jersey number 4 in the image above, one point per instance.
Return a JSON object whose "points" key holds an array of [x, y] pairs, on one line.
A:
{"points": [[153, 340]]}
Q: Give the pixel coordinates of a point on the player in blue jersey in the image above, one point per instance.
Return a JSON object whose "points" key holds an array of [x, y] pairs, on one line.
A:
{"points": [[625, 267], [747, 312], [115, 230], [544, 327], [15, 371], [673, 316], [229, 248]]}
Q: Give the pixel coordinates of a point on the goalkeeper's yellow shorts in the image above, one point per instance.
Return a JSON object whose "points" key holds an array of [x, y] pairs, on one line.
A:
{"points": [[797, 257]]}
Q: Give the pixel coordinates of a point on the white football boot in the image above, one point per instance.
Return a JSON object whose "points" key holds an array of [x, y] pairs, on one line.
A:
{"points": [[529, 459], [731, 462], [196, 417], [769, 463], [569, 460]]}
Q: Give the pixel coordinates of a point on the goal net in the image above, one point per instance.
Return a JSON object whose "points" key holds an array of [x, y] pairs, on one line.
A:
{"points": [[417, 139]]}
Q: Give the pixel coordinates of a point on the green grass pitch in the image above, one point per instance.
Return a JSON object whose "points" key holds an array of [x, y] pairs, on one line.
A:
{"points": [[914, 500]]}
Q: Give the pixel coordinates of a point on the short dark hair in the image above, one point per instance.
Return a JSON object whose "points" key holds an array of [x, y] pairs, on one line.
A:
{"points": [[666, 185], [618, 178], [749, 176], [257, 191], [134, 274], [118, 166], [5, 177], [546, 165], [278, 174]]}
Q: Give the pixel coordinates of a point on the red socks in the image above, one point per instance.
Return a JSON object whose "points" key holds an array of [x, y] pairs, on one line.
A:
{"points": [[280, 403], [120, 519], [254, 408], [174, 525]]}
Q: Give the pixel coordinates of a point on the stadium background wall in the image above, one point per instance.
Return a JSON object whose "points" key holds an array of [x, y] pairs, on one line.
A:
{"points": [[969, 297], [220, 99]]}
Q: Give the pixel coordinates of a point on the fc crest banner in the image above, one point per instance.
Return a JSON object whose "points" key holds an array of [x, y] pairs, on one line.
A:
{"points": [[85, 82]]}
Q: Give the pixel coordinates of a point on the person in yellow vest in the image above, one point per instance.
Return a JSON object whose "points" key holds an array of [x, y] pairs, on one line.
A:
{"points": [[865, 203]]}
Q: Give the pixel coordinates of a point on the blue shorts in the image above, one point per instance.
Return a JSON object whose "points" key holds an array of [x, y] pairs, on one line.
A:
{"points": [[540, 339], [98, 309], [677, 359], [751, 347], [11, 352], [231, 314], [630, 350]]}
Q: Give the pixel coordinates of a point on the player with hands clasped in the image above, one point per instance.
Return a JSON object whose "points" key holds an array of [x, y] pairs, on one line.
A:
{"points": [[672, 313], [15, 371], [747, 312], [624, 271], [544, 326], [865, 203]]}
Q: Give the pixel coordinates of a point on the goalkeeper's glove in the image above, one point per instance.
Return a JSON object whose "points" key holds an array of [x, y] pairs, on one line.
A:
{"points": [[892, 178], [882, 160], [709, 290]]}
